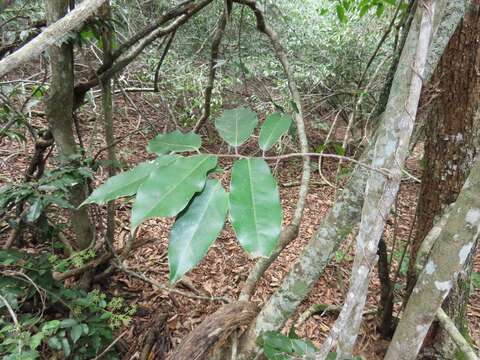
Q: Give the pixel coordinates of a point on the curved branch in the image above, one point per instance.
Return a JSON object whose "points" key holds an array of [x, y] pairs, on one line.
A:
{"points": [[290, 232], [128, 53], [212, 69], [162, 59]]}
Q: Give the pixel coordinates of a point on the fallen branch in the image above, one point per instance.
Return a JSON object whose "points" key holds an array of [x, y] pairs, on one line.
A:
{"points": [[169, 289]]}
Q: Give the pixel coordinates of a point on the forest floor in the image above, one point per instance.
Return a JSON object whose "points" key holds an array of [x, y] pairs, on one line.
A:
{"points": [[226, 266]]}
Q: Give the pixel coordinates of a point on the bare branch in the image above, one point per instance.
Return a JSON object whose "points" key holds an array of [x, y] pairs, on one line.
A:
{"points": [[55, 34], [212, 68]]}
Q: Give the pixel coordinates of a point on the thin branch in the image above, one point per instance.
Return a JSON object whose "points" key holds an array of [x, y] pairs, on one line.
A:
{"points": [[456, 335], [169, 289], [381, 42], [126, 54], [12, 313], [384, 172], [212, 68], [112, 344], [290, 232], [162, 59]]}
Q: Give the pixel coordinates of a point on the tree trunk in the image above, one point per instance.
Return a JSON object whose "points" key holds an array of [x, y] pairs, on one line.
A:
{"points": [[341, 219], [107, 107], [451, 145], [60, 117], [447, 259]]}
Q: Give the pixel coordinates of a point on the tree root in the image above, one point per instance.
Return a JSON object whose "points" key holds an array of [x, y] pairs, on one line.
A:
{"points": [[215, 330]]}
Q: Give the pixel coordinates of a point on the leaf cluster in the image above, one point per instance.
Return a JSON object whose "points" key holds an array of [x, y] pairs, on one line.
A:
{"points": [[174, 185]]}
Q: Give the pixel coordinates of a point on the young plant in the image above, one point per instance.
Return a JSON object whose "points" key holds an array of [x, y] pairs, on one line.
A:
{"points": [[175, 185]]}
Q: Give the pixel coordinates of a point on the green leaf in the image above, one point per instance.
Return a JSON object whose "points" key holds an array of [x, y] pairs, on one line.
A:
{"points": [[51, 326], [237, 125], [55, 343], [255, 206], [340, 150], [36, 340], [34, 211], [66, 323], [174, 141], [364, 10], [196, 229], [66, 347], [341, 13], [475, 280], [126, 183], [169, 189], [76, 332], [59, 201], [272, 130], [303, 347], [380, 9], [279, 347]]}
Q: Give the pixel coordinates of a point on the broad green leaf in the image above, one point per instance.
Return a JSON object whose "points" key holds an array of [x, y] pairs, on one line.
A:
{"points": [[36, 340], [196, 229], [55, 343], [237, 125], [51, 326], [272, 130], [169, 189], [66, 347], [76, 332], [67, 323], [255, 206], [126, 183], [34, 211], [174, 141], [280, 347]]}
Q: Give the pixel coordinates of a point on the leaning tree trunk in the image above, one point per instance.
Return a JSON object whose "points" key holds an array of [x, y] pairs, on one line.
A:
{"points": [[462, 224], [60, 117], [343, 216], [450, 148]]}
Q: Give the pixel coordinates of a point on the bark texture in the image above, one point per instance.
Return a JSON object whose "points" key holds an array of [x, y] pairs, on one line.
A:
{"points": [[107, 107], [391, 150], [451, 145], [60, 117], [454, 244]]}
